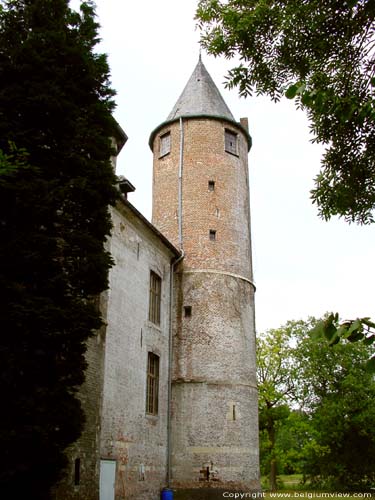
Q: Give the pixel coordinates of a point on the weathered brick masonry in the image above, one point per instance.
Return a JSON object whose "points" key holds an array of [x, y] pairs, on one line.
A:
{"points": [[214, 395]]}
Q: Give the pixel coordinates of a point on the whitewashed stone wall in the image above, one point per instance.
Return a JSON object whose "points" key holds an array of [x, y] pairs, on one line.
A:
{"points": [[137, 441]]}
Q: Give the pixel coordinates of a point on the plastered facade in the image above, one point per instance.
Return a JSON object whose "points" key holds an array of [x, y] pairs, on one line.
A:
{"points": [[136, 440]]}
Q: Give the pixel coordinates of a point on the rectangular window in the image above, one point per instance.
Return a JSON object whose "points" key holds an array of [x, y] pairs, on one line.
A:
{"points": [[152, 393], [77, 471], [155, 298], [212, 234], [187, 310], [231, 142], [211, 185], [165, 144]]}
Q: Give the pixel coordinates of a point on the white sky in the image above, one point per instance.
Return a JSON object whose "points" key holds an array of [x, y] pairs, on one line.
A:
{"points": [[302, 265]]}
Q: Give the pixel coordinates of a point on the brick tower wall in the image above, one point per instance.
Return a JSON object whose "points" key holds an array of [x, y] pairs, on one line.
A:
{"points": [[214, 395], [224, 210]]}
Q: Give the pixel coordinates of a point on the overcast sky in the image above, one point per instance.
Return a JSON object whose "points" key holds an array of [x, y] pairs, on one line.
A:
{"points": [[302, 265]]}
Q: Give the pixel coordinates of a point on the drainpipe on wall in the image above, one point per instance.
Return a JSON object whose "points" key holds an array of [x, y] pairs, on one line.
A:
{"points": [[171, 298], [180, 170]]}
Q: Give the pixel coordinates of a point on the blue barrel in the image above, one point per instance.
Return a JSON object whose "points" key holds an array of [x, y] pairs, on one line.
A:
{"points": [[166, 494]]}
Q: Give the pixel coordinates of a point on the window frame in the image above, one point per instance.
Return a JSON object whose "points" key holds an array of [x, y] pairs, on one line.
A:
{"points": [[188, 311], [164, 144], [228, 146], [211, 186], [152, 384], [212, 234], [154, 305]]}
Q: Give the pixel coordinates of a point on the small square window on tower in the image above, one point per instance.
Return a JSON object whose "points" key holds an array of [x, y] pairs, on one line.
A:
{"points": [[231, 142], [211, 185], [187, 311], [165, 144], [212, 234]]}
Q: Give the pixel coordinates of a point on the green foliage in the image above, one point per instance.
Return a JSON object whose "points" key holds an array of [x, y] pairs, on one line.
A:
{"points": [[297, 440], [275, 373], [358, 330], [327, 432], [320, 53], [56, 182], [338, 392]]}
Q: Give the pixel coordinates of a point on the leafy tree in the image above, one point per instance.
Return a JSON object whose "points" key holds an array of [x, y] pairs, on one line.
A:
{"points": [[296, 441], [320, 53], [276, 385], [56, 182], [338, 392], [316, 407]]}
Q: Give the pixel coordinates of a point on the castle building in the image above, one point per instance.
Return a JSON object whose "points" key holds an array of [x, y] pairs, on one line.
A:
{"points": [[171, 384]]}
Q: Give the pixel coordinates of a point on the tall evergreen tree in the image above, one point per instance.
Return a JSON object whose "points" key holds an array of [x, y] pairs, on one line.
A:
{"points": [[56, 182]]}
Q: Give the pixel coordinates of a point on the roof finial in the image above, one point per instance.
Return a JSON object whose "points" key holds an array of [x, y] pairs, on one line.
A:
{"points": [[200, 54]]}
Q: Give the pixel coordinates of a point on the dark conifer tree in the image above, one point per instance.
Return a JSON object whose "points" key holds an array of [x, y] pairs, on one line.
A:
{"points": [[56, 182]]}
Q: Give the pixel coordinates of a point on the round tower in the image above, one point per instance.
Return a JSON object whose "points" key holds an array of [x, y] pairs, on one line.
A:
{"points": [[201, 204]]}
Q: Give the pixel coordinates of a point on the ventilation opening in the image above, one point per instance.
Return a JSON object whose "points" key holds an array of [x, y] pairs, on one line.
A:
{"points": [[77, 471], [212, 234], [187, 310]]}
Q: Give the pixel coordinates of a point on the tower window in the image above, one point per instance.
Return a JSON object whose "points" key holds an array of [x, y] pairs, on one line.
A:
{"points": [[165, 144], [77, 471], [212, 234], [211, 185], [152, 391], [187, 310], [154, 298], [231, 142]]}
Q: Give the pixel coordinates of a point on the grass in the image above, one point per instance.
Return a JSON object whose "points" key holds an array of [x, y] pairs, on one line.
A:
{"points": [[288, 482]]}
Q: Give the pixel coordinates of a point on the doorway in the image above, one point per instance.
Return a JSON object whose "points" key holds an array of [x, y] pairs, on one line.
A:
{"points": [[107, 479]]}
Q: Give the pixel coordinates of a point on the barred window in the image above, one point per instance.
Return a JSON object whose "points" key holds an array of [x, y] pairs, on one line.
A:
{"points": [[231, 142], [155, 298], [165, 144], [152, 393]]}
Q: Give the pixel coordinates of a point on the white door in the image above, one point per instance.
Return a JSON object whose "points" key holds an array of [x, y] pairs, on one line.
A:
{"points": [[107, 479]]}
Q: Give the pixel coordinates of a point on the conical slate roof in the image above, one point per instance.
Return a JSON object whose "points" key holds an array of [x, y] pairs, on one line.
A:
{"points": [[200, 97]]}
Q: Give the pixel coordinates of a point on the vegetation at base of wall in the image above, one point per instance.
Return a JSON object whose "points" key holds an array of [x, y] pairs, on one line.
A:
{"points": [[320, 54], [56, 182], [317, 407]]}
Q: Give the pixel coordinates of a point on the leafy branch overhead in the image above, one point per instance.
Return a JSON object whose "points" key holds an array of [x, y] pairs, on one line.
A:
{"points": [[358, 330], [321, 53]]}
